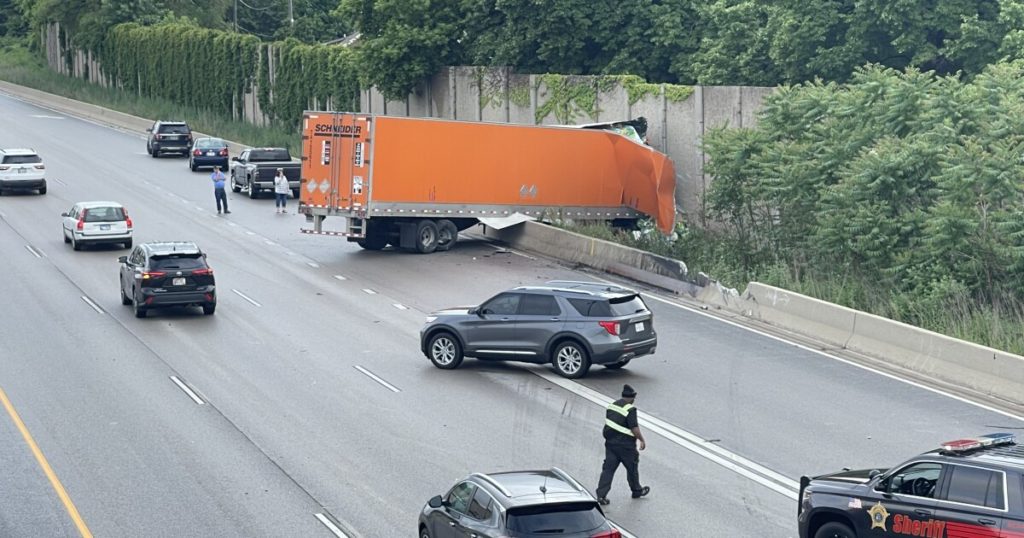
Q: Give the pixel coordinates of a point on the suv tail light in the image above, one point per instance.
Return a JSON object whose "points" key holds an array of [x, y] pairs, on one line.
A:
{"points": [[611, 326], [201, 272], [127, 219], [40, 167], [152, 274], [614, 533], [5, 167], [81, 220], [158, 136]]}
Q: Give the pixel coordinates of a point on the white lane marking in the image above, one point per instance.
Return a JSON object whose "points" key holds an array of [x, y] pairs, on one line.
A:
{"points": [[199, 208], [195, 397], [269, 242], [61, 181], [374, 377], [232, 223], [331, 526], [94, 306], [688, 440], [400, 306], [3, 215], [33, 251], [840, 359], [314, 265], [340, 277], [290, 253], [185, 200], [622, 531], [250, 232], [368, 291], [45, 117], [246, 297]]}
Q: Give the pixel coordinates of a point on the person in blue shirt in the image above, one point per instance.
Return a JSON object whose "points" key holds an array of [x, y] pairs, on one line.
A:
{"points": [[218, 189]]}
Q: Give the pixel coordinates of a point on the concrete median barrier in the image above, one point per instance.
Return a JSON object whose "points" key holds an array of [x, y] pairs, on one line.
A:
{"points": [[824, 321]]}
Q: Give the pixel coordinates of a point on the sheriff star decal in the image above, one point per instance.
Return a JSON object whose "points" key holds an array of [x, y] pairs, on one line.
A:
{"points": [[878, 515]]}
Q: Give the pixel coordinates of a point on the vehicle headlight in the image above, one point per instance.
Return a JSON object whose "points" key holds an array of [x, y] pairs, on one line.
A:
{"points": [[431, 319]]}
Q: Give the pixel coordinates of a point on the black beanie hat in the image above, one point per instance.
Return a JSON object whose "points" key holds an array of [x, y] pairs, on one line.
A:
{"points": [[628, 392]]}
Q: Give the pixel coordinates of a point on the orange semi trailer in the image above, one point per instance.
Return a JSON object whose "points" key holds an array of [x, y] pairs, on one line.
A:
{"points": [[415, 182]]}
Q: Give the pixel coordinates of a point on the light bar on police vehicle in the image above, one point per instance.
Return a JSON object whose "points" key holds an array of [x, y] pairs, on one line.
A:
{"points": [[974, 443]]}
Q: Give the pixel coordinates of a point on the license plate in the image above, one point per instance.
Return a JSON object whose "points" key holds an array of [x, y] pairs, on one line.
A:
{"points": [[639, 327], [21, 170], [209, 153], [104, 226], [178, 282]]}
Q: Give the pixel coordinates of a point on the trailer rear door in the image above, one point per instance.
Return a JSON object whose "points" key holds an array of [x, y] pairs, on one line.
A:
{"points": [[336, 161]]}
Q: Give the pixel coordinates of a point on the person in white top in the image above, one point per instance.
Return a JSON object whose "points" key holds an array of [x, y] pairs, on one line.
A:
{"points": [[281, 190]]}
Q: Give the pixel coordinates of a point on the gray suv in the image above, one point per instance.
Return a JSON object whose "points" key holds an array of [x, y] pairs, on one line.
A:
{"points": [[516, 504], [572, 325]]}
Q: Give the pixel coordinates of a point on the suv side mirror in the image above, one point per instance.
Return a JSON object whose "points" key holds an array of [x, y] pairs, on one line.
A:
{"points": [[123, 259], [235, 158], [64, 214], [149, 129], [435, 502]]}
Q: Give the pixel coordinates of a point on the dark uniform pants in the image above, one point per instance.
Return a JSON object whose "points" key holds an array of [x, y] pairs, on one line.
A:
{"points": [[222, 197], [629, 457]]}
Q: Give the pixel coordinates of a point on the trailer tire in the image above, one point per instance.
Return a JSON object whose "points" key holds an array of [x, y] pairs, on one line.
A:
{"points": [[447, 234], [426, 236], [373, 242]]}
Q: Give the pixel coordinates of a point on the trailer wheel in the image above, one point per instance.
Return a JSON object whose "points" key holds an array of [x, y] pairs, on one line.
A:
{"points": [[426, 236], [447, 234], [373, 242]]}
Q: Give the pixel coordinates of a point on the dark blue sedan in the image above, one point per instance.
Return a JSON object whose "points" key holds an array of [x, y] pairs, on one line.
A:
{"points": [[208, 152]]}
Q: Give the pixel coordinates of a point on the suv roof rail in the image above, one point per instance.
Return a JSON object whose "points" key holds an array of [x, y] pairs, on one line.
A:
{"points": [[504, 491], [568, 479], [603, 286]]}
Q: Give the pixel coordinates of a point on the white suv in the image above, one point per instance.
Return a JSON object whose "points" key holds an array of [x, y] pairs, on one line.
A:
{"points": [[93, 223], [22, 169]]}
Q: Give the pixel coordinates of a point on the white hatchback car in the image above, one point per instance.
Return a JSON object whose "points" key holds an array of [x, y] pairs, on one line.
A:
{"points": [[91, 223], [22, 169]]}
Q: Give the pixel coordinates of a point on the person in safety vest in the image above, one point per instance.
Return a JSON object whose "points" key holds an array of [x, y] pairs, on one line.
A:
{"points": [[621, 434]]}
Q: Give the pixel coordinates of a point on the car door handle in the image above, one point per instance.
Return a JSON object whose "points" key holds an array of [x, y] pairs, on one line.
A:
{"points": [[922, 512], [986, 521], [506, 319]]}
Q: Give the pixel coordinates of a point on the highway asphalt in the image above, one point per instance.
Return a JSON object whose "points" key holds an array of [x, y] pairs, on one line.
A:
{"points": [[308, 393]]}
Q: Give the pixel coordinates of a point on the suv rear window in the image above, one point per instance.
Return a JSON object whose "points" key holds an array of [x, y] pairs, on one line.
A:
{"points": [[627, 306], [268, 155], [103, 214], [555, 519], [186, 263], [22, 159], [174, 129], [592, 308]]}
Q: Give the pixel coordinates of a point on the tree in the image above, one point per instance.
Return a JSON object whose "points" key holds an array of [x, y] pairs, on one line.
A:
{"points": [[404, 41]]}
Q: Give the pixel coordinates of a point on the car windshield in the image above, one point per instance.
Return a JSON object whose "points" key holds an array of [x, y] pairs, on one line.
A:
{"points": [[269, 155], [104, 214], [627, 306], [210, 143], [178, 262], [22, 159], [174, 129], [555, 519]]}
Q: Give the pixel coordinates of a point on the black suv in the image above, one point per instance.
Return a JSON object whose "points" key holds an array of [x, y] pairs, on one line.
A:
{"points": [[569, 324], [516, 504], [158, 275], [967, 488], [169, 137]]}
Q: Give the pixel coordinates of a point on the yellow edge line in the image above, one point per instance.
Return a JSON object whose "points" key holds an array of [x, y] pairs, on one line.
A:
{"points": [[54, 481]]}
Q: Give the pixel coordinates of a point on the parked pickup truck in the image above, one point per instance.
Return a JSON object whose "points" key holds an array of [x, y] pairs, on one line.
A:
{"points": [[255, 168]]}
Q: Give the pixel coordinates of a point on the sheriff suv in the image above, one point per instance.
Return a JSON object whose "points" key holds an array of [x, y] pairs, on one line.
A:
{"points": [[571, 325], [157, 275], [516, 504], [966, 488]]}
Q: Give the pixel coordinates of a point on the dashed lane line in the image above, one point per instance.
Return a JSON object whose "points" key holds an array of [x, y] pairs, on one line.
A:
{"points": [[340, 277], [246, 297], [187, 390], [33, 251], [368, 291], [330, 526], [90, 302], [377, 378]]}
